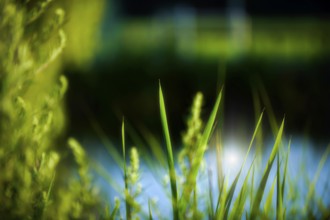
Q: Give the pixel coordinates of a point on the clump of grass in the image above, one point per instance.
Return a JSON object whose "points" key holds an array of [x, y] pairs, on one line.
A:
{"points": [[236, 199], [32, 119]]}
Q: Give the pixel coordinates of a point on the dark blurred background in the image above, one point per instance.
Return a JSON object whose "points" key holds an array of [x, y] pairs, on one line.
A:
{"points": [[280, 49]]}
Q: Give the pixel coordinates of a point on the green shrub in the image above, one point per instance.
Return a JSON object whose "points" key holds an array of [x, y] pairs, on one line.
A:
{"points": [[32, 117]]}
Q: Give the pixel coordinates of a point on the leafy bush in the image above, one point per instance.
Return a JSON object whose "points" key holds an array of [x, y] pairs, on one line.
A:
{"points": [[32, 117]]}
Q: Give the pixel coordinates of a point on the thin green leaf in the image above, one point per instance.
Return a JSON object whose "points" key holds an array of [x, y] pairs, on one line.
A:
{"points": [[127, 203], [115, 209], [150, 213], [211, 209], [286, 168], [233, 186], [170, 160], [238, 208], [262, 185], [311, 189], [279, 201], [220, 211]]}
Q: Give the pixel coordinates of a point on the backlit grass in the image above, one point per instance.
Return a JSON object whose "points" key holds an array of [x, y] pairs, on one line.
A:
{"points": [[196, 180], [257, 190]]}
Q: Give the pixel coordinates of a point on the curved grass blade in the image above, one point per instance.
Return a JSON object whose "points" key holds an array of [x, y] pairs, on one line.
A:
{"points": [[115, 209], [286, 168], [220, 210], [211, 209], [100, 170], [149, 208], [234, 184], [269, 199], [262, 185], [110, 147], [279, 200], [154, 145], [238, 209], [259, 137], [311, 189], [127, 204], [170, 160], [270, 110]]}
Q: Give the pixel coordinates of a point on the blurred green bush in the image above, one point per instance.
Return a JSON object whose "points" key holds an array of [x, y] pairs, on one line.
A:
{"points": [[32, 116]]}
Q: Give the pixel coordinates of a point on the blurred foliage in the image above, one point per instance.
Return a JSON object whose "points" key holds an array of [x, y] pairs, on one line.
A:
{"points": [[32, 118], [214, 37], [83, 29]]}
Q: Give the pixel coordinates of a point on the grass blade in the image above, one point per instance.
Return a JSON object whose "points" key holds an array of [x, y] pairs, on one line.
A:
{"points": [[115, 209], [316, 177], [270, 112], [262, 185], [170, 160], [211, 209], [219, 161], [238, 209], [286, 168], [154, 145], [279, 200], [259, 138], [101, 134], [220, 210], [149, 208], [128, 206], [234, 184]]}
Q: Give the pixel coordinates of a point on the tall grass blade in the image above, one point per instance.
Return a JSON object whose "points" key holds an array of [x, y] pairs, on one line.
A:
{"points": [[286, 168], [100, 170], [170, 160], [220, 210], [311, 189], [128, 206], [112, 150], [149, 208], [219, 161], [115, 209], [252, 186], [154, 145], [234, 184], [262, 185], [238, 208], [270, 112], [257, 110], [279, 200], [211, 205], [139, 140]]}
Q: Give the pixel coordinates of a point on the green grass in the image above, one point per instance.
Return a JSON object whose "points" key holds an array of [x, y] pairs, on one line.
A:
{"points": [[230, 205], [35, 182]]}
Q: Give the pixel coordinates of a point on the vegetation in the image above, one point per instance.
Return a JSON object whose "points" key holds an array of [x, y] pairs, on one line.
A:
{"points": [[244, 197], [33, 185], [32, 119]]}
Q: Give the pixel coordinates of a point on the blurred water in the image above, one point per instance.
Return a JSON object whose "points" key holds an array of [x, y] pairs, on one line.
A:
{"points": [[303, 162]]}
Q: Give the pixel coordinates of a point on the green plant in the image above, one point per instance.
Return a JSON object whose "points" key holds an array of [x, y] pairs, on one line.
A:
{"points": [[32, 117], [184, 196]]}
